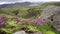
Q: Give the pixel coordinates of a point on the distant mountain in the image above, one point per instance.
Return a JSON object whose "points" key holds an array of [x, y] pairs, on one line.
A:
{"points": [[20, 4]]}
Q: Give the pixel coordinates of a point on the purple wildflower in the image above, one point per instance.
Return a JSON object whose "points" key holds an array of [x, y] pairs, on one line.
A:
{"points": [[39, 22], [3, 20], [2, 24]]}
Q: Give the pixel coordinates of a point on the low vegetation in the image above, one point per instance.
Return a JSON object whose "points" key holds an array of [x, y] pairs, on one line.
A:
{"points": [[11, 20]]}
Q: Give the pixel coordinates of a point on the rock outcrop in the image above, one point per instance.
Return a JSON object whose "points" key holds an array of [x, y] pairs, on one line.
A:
{"points": [[52, 14], [49, 11]]}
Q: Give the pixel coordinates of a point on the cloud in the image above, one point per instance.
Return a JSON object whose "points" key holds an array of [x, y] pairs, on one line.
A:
{"points": [[14, 1], [42, 0], [10, 0], [27, 0]]}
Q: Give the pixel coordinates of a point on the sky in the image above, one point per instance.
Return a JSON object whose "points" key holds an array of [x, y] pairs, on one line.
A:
{"points": [[14, 1]]}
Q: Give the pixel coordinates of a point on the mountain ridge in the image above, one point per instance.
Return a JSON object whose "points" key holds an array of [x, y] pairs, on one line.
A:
{"points": [[20, 4]]}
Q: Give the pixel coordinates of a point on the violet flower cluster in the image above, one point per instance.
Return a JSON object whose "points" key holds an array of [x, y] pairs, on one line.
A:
{"points": [[3, 20]]}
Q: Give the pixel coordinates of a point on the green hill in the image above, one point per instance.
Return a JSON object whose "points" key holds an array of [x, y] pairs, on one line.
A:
{"points": [[26, 11]]}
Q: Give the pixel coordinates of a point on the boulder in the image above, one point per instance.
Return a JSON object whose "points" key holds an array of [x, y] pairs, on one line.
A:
{"points": [[20, 32]]}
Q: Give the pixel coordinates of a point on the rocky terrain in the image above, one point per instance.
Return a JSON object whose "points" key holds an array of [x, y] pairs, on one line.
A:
{"points": [[52, 13]]}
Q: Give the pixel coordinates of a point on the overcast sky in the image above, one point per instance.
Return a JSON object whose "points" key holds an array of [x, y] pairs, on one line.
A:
{"points": [[13, 1]]}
